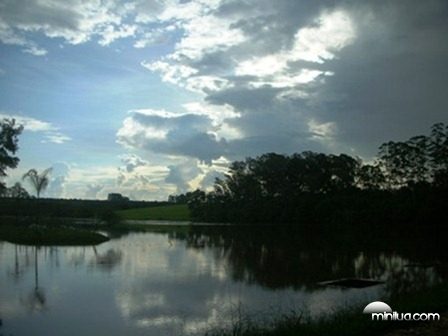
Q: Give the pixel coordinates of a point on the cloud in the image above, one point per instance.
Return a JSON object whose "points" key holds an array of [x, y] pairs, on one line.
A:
{"points": [[29, 124], [34, 50], [132, 161], [389, 85], [56, 138], [51, 133], [159, 35], [112, 33], [58, 179], [183, 134], [342, 77], [283, 76], [182, 175], [92, 190], [208, 180], [74, 21], [139, 179], [56, 187], [246, 86], [10, 37]]}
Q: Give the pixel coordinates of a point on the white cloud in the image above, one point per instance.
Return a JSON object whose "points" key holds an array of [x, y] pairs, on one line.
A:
{"points": [[74, 21], [34, 50], [262, 66], [333, 31], [218, 113], [132, 161], [154, 36], [171, 73], [206, 34], [56, 138], [92, 190], [323, 131], [29, 123], [112, 33], [183, 175], [50, 132]]}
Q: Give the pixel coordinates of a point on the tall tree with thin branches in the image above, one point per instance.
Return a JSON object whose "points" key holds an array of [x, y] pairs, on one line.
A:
{"points": [[38, 181]]}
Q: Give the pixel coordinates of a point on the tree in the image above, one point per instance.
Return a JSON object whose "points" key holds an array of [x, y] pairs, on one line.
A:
{"points": [[38, 181], [370, 177], [9, 133], [438, 149], [16, 191], [419, 160]]}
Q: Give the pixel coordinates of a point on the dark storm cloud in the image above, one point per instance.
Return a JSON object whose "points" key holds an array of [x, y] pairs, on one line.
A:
{"points": [[390, 82], [393, 82]]}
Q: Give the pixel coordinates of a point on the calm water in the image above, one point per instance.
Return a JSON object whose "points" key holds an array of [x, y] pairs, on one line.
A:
{"points": [[159, 284]]}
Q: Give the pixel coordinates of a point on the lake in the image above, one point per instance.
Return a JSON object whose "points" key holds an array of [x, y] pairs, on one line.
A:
{"points": [[186, 283]]}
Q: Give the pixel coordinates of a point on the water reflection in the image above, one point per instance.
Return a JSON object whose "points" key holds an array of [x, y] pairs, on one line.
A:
{"points": [[36, 300], [107, 260], [281, 259], [176, 284]]}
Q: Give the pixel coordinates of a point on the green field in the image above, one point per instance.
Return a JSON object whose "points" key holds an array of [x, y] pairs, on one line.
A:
{"points": [[177, 212]]}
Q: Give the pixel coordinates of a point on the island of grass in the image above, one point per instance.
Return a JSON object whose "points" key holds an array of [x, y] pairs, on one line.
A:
{"points": [[42, 235], [175, 212]]}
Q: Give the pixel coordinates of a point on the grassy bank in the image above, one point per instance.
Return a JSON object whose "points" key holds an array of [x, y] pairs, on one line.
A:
{"points": [[176, 212], [127, 228], [349, 322], [40, 235]]}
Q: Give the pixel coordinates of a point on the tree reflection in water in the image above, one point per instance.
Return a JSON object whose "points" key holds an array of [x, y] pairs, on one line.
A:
{"points": [[140, 282], [107, 260], [281, 257], [36, 300]]}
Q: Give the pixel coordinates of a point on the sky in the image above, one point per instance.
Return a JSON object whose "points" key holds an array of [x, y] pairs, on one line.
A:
{"points": [[150, 98]]}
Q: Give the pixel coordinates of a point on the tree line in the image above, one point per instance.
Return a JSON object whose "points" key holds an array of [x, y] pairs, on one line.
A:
{"points": [[407, 183]]}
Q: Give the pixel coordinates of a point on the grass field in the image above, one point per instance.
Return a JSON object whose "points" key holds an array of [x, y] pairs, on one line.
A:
{"points": [[177, 212]]}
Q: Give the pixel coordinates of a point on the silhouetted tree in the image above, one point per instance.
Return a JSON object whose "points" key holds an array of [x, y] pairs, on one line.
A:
{"points": [[9, 133], [438, 149], [38, 181], [370, 177], [406, 183], [419, 160], [16, 191]]}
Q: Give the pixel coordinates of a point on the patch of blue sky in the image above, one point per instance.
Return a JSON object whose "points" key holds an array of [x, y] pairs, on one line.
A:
{"points": [[85, 92]]}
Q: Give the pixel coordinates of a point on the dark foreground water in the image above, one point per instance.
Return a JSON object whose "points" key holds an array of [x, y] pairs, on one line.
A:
{"points": [[159, 284]]}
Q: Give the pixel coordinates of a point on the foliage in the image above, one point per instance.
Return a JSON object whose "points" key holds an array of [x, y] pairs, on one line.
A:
{"points": [[311, 187], [419, 160], [16, 191], [182, 198], [9, 133]]}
